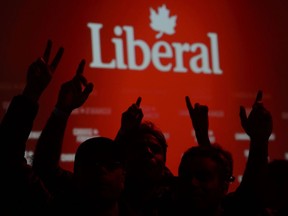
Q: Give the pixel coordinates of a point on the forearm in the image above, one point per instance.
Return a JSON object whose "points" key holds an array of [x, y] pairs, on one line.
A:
{"points": [[49, 146], [16, 126], [202, 138], [256, 162], [257, 159], [125, 139]]}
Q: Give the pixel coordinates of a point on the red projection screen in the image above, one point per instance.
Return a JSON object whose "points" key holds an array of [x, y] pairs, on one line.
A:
{"points": [[219, 53]]}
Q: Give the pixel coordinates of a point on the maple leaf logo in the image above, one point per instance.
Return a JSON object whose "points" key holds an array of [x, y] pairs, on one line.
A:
{"points": [[161, 22]]}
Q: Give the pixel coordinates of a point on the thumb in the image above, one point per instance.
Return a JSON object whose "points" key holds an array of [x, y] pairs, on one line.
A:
{"points": [[88, 89], [85, 94], [139, 99], [243, 118], [204, 108]]}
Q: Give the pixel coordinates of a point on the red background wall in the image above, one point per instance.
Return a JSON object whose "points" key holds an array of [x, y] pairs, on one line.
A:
{"points": [[253, 52]]}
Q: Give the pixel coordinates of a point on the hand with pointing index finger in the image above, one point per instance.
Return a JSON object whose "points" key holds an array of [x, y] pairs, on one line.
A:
{"points": [[132, 117], [199, 118], [258, 125], [40, 73], [75, 92]]}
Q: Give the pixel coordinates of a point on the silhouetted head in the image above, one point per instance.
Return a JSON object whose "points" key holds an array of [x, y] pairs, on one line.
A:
{"points": [[98, 168], [204, 175], [149, 147]]}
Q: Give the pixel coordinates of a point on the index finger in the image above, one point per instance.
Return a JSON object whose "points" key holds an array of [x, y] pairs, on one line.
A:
{"points": [[188, 104], [57, 58], [80, 68], [139, 99], [259, 96], [83, 80], [47, 51], [258, 101]]}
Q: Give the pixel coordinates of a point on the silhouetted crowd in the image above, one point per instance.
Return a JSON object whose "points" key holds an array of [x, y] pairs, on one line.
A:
{"points": [[127, 176]]}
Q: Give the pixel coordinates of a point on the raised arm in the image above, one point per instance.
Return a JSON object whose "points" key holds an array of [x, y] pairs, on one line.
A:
{"points": [[199, 118], [19, 184], [17, 123], [258, 126], [72, 95]]}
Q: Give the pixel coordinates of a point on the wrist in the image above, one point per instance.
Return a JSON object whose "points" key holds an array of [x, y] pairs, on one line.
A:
{"points": [[259, 148], [61, 113], [259, 141], [30, 94], [63, 107], [203, 140]]}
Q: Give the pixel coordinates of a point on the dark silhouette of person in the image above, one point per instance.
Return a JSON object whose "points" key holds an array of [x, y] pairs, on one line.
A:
{"points": [[21, 188], [258, 126], [266, 179], [99, 174], [98, 178], [144, 148], [204, 176], [72, 95]]}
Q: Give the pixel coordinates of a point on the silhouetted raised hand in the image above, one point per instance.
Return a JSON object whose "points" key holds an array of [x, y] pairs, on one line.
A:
{"points": [[258, 125], [72, 95], [132, 117], [200, 122], [40, 73]]}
